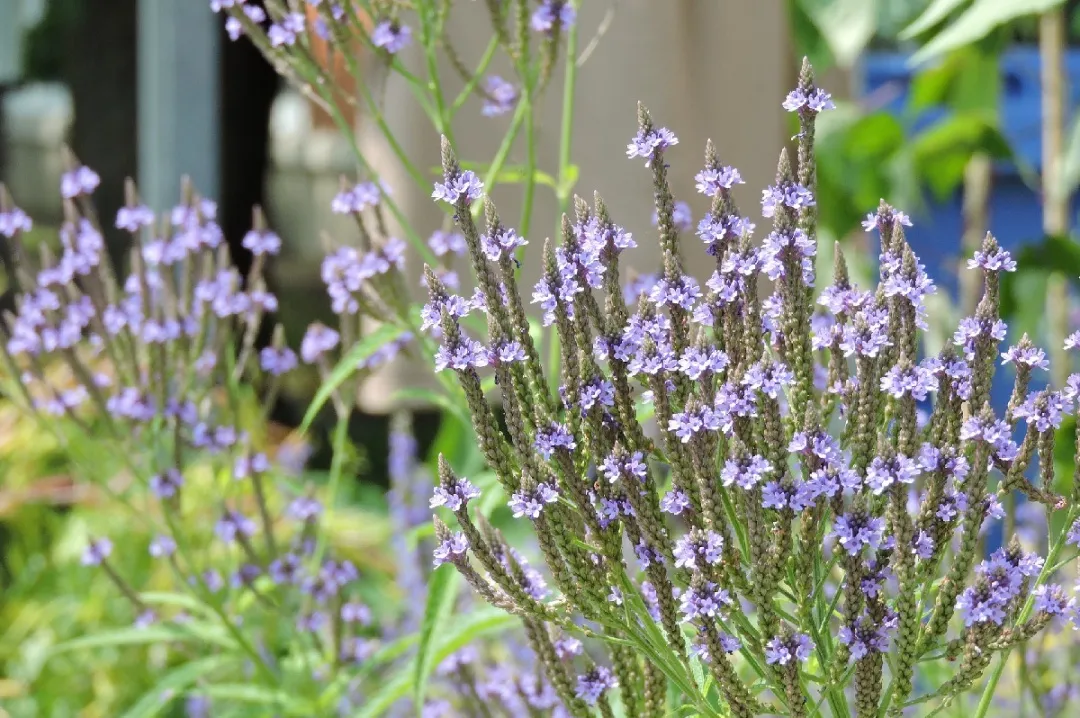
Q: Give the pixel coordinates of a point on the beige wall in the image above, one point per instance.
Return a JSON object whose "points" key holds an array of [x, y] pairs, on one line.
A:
{"points": [[705, 68]]}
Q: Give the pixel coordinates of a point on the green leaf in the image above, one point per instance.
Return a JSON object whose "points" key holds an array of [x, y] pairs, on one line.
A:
{"points": [[133, 636], [568, 182], [846, 25], [442, 592], [346, 368], [175, 681], [257, 695], [978, 21], [438, 398], [459, 634], [938, 11], [943, 150]]}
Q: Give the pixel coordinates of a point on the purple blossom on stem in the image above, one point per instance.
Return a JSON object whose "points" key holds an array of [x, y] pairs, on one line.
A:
{"points": [[1029, 356], [783, 650], [854, 532], [454, 496], [817, 100], [791, 195], [96, 552], [462, 185], [451, 550], [531, 503], [553, 437], [501, 96], [506, 240], [391, 36], [704, 546], [79, 181], [318, 340], [746, 472], [592, 685], [166, 485], [884, 472], [705, 601], [885, 217], [712, 180], [443, 243], [284, 33], [998, 260], [648, 144], [552, 14]]}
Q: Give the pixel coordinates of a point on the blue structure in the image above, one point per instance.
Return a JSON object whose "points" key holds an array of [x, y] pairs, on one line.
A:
{"points": [[1015, 209]]}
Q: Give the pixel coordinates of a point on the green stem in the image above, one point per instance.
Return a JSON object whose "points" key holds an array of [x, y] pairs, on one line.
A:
{"points": [[337, 467], [466, 92], [566, 126]]}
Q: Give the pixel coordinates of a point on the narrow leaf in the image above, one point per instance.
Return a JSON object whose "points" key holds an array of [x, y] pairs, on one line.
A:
{"points": [[175, 681], [347, 367], [978, 21], [442, 592], [938, 11]]}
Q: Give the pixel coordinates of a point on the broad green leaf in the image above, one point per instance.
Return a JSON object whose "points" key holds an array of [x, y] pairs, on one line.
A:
{"points": [[458, 635], [846, 25], [442, 593], [174, 682], [978, 21], [133, 636], [347, 367], [935, 13]]}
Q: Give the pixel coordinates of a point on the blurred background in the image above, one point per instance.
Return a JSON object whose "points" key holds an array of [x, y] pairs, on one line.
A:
{"points": [[961, 112]]}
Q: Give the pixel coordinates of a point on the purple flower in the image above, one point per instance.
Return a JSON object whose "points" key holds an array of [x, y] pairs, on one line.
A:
{"points": [[132, 219], [916, 381], [567, 647], [1051, 599], [167, 485], [79, 181], [14, 220], [277, 361], [704, 546], [443, 243], [554, 436], [923, 546], [501, 96], [505, 241], [462, 185], [531, 503], [998, 260], [791, 195], [817, 100], [260, 243], [674, 502], [318, 340], [162, 546], [552, 13], [285, 32], [705, 601], [96, 552], [391, 36], [883, 473], [624, 466], [866, 636], [648, 144], [885, 217], [233, 524], [592, 685], [712, 180], [455, 495], [1028, 356], [783, 650], [356, 199], [747, 472], [451, 550], [855, 531], [303, 508], [1073, 537]]}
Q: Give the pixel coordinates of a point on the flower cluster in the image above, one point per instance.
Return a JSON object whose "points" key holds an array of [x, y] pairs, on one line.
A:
{"points": [[831, 483]]}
